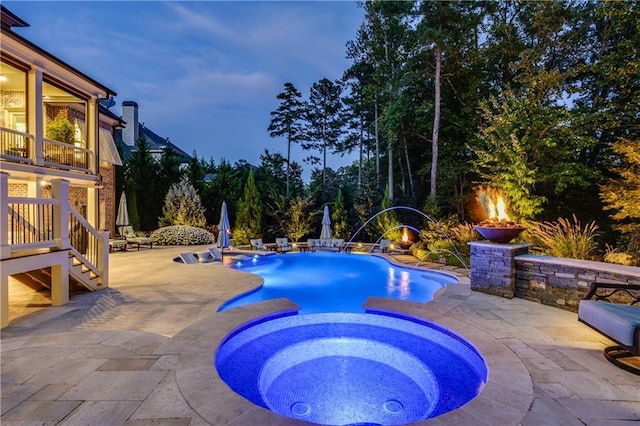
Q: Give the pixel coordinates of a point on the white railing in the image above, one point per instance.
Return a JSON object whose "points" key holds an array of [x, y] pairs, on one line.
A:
{"points": [[30, 223], [21, 147], [65, 156], [16, 146], [88, 244]]}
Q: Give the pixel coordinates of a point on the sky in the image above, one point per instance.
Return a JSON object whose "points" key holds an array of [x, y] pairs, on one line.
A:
{"points": [[205, 74]]}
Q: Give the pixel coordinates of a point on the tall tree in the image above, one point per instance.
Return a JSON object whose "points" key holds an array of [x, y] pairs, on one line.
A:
{"points": [[339, 217], [622, 192], [249, 217], [143, 169], [325, 121], [287, 120]]}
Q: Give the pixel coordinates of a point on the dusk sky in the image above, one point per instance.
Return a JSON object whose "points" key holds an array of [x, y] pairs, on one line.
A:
{"points": [[204, 74]]}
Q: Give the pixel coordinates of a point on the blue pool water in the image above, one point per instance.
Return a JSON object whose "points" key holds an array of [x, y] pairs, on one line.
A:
{"points": [[349, 368], [335, 282]]}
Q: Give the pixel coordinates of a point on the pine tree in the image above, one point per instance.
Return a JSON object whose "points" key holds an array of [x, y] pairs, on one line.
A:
{"points": [[249, 217], [325, 122], [287, 121], [339, 217]]}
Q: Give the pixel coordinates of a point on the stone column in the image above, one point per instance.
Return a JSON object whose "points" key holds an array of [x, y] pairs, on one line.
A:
{"points": [[493, 268]]}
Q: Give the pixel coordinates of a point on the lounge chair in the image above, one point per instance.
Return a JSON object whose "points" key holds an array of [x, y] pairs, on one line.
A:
{"points": [[215, 253], [117, 244], [282, 245], [129, 234], [382, 246], [189, 258]]}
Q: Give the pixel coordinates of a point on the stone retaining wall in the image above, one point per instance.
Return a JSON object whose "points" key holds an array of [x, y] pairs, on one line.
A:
{"points": [[493, 267], [563, 282]]}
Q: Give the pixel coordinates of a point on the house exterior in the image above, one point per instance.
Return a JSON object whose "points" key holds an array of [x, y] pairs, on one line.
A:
{"points": [[126, 137], [57, 169]]}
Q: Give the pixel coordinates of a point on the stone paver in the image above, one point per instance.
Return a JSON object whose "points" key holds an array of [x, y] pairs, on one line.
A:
{"points": [[140, 353]]}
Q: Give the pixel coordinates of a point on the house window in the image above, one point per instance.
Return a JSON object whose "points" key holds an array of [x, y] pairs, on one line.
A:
{"points": [[13, 97]]}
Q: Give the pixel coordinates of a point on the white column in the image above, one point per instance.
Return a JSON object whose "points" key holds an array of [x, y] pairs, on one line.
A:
{"points": [[4, 300], [103, 259], [5, 248], [60, 192], [35, 114], [92, 133]]}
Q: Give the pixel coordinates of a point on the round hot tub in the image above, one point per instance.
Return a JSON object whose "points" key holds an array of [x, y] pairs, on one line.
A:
{"points": [[348, 368]]}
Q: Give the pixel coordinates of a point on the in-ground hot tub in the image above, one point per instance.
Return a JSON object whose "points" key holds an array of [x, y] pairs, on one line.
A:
{"points": [[348, 368]]}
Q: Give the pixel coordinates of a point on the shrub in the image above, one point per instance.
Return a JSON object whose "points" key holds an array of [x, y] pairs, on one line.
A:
{"points": [[180, 235], [182, 206], [564, 238], [612, 255]]}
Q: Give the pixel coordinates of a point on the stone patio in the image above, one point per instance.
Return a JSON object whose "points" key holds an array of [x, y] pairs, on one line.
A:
{"points": [[141, 353]]}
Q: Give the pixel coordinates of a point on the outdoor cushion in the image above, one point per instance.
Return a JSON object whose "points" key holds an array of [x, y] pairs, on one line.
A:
{"points": [[616, 321]]}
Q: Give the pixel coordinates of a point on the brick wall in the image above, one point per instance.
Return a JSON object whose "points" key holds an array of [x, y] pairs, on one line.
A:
{"points": [[108, 204]]}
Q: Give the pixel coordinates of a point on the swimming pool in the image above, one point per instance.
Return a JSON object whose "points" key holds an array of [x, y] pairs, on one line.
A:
{"points": [[347, 368], [335, 282]]}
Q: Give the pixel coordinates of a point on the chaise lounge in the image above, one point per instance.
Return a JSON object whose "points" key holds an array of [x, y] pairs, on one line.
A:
{"points": [[618, 321], [129, 234]]}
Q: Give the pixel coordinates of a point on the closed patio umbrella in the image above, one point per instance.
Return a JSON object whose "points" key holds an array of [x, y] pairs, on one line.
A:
{"points": [[123, 213], [325, 233], [223, 229]]}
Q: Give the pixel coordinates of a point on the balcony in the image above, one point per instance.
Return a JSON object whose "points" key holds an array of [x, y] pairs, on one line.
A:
{"points": [[20, 147]]}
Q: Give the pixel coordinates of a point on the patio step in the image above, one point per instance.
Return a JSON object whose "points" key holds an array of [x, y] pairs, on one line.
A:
{"points": [[82, 274]]}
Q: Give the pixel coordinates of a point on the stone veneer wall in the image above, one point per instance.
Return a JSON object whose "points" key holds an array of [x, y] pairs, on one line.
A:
{"points": [[493, 267], [563, 282]]}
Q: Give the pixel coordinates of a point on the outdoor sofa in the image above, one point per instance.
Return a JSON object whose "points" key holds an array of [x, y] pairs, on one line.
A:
{"points": [[325, 244], [619, 322]]}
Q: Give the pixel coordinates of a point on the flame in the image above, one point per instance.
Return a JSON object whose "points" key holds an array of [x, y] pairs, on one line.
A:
{"points": [[493, 203], [405, 235]]}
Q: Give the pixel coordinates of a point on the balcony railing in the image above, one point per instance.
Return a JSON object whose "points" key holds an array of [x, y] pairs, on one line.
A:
{"points": [[16, 146], [20, 147], [65, 156]]}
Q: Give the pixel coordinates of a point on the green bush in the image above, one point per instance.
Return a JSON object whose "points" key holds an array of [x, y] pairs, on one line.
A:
{"points": [[180, 235]]}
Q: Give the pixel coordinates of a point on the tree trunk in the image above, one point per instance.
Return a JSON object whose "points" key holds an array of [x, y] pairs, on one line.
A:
{"points": [[406, 157], [390, 171], [436, 125], [288, 161], [360, 153], [377, 142]]}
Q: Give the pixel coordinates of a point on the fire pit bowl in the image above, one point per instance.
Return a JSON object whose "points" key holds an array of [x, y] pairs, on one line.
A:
{"points": [[404, 245], [500, 235]]}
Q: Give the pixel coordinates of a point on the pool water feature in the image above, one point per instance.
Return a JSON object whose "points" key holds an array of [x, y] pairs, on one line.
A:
{"points": [[335, 282], [351, 368]]}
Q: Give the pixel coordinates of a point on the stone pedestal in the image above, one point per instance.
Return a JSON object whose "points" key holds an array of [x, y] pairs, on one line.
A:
{"points": [[493, 269]]}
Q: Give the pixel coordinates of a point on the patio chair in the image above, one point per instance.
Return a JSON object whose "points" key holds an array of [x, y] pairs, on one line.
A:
{"points": [[257, 244], [382, 246], [129, 234], [282, 245]]}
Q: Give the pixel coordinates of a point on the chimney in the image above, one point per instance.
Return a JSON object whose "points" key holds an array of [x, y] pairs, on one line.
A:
{"points": [[130, 133]]}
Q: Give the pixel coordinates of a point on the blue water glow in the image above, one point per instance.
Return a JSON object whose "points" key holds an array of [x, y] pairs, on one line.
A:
{"points": [[348, 368], [335, 282]]}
